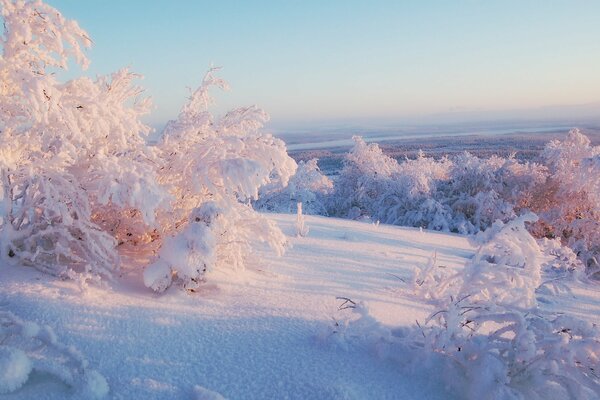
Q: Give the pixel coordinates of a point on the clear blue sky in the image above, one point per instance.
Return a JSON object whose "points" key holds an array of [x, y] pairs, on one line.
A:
{"points": [[310, 61]]}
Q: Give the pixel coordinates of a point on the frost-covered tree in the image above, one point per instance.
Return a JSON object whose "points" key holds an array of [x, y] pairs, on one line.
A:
{"points": [[79, 183], [410, 199], [464, 194], [364, 179], [569, 203], [308, 186], [214, 168], [73, 154]]}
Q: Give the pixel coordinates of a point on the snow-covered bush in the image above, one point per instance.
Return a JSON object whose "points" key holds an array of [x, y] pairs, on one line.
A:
{"points": [[213, 169], [569, 203], [486, 333], [505, 270], [467, 194], [562, 260], [79, 181], [307, 186], [497, 352], [410, 199], [26, 346], [487, 351], [66, 147], [363, 180]]}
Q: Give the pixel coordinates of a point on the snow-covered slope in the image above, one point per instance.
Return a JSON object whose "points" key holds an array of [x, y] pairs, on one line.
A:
{"points": [[258, 336]]}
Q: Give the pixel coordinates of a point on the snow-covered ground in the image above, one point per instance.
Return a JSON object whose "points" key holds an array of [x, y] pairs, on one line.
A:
{"points": [[259, 336]]}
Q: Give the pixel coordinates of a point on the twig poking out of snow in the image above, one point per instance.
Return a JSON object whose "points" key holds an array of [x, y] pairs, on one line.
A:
{"points": [[26, 346], [301, 228], [347, 303]]}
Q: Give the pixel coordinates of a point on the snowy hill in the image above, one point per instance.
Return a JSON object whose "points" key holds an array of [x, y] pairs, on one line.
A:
{"points": [[264, 335]]}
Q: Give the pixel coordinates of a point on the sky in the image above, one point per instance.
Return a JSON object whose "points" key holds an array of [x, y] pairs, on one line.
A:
{"points": [[311, 63]]}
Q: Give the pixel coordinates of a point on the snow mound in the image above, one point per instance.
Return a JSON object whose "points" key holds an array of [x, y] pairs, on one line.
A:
{"points": [[15, 367], [95, 386], [28, 346], [202, 393]]}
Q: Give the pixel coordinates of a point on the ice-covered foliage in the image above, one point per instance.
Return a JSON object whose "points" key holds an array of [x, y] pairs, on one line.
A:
{"points": [[569, 204], [27, 346], [467, 194], [506, 269], [79, 181], [73, 153], [307, 186], [214, 168], [487, 333], [363, 181]]}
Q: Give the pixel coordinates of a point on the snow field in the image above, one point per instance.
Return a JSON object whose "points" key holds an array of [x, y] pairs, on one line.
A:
{"points": [[262, 335]]}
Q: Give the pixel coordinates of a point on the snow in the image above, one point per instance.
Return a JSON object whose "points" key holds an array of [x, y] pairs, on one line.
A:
{"points": [[205, 394], [14, 369], [263, 334]]}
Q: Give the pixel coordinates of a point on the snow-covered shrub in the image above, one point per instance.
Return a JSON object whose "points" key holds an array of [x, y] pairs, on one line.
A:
{"points": [[486, 333], [486, 351], [307, 186], [481, 191], [562, 260], [80, 183], [26, 346], [213, 169], [496, 352], [364, 180], [506, 269], [410, 198], [73, 153], [465, 194], [569, 203]]}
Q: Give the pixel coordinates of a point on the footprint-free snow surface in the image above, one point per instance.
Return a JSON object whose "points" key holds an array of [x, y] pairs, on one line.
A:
{"points": [[260, 334]]}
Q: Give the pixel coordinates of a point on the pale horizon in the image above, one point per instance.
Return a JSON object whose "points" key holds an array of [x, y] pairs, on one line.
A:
{"points": [[310, 64]]}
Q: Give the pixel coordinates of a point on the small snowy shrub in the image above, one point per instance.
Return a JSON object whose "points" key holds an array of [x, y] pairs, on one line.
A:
{"points": [[26, 346], [307, 186], [496, 352], [487, 334], [569, 206], [80, 185], [213, 169], [363, 180]]}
